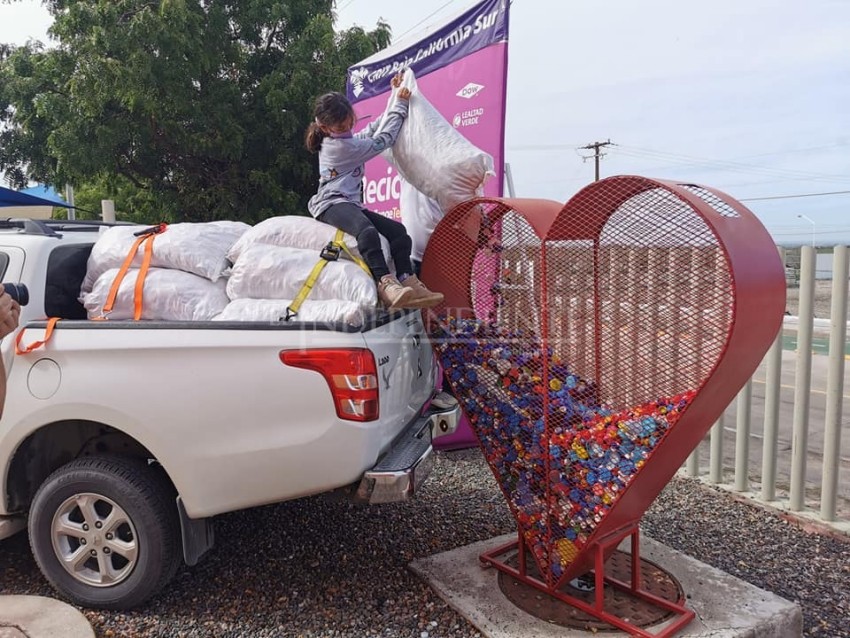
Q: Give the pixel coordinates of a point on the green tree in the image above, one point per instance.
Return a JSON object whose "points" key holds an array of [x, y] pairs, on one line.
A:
{"points": [[179, 109]]}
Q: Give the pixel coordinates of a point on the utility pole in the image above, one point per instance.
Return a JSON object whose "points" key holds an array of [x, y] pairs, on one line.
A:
{"points": [[595, 146]]}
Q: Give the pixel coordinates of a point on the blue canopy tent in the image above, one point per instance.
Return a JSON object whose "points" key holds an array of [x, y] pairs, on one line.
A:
{"points": [[8, 197]]}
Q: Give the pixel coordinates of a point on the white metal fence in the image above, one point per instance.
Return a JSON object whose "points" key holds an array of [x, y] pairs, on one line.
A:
{"points": [[798, 403]]}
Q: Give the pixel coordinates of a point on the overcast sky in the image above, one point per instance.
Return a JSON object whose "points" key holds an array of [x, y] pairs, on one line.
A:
{"points": [[749, 96]]}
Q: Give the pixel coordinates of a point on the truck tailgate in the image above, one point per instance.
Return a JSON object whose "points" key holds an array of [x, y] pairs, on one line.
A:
{"points": [[406, 369]]}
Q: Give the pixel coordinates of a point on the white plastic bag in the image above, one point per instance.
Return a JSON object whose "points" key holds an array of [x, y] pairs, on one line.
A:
{"points": [[272, 272], [420, 215], [168, 295], [296, 231], [197, 248], [274, 310], [433, 156]]}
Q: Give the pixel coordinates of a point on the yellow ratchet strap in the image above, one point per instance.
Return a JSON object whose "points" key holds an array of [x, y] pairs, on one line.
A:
{"points": [[331, 252]]}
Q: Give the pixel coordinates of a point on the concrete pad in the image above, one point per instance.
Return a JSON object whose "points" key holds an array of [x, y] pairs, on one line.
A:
{"points": [[40, 617], [725, 606]]}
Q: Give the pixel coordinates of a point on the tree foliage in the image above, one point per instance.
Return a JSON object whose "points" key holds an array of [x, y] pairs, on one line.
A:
{"points": [[181, 109]]}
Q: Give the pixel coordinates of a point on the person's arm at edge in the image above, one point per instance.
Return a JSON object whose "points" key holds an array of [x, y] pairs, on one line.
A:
{"points": [[10, 313]]}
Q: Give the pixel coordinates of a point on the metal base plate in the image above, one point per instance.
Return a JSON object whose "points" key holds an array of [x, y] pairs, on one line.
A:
{"points": [[655, 581]]}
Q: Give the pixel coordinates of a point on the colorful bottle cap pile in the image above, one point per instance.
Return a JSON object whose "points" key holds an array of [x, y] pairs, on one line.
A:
{"points": [[560, 471]]}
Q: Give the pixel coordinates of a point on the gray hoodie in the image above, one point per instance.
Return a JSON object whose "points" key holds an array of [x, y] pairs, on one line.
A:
{"points": [[341, 159]]}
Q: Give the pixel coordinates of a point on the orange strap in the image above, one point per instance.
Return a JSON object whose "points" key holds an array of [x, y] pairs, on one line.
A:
{"points": [[140, 278], [146, 239], [51, 323], [116, 284]]}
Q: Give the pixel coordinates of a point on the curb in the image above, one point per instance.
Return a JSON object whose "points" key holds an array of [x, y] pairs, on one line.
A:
{"points": [[41, 617]]}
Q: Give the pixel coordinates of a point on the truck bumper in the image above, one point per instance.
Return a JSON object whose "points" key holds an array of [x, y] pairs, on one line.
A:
{"points": [[404, 467]]}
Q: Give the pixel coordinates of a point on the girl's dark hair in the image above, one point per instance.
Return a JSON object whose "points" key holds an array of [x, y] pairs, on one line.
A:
{"points": [[330, 109]]}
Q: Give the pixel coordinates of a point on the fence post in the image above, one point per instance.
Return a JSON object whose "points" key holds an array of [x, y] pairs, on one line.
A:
{"points": [[772, 389], [803, 379], [834, 385], [692, 464], [107, 208], [742, 437], [715, 474]]}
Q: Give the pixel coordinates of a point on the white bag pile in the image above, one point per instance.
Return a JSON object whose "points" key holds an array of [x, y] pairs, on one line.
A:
{"points": [[273, 310], [184, 281], [168, 295], [296, 231], [273, 260], [272, 272], [197, 248], [191, 277]]}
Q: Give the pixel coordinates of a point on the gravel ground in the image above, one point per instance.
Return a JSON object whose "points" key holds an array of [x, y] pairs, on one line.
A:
{"points": [[325, 568]]}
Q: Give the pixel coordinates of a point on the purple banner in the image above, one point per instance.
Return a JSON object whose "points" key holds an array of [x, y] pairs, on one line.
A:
{"points": [[478, 27]]}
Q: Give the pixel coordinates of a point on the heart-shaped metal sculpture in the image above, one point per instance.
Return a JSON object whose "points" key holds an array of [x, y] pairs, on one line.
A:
{"points": [[593, 345]]}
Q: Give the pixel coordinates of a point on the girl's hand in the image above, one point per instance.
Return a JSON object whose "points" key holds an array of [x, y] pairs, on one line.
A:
{"points": [[404, 94], [397, 78]]}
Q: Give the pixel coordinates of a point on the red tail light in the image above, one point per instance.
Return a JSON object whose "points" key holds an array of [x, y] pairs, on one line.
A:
{"points": [[351, 375]]}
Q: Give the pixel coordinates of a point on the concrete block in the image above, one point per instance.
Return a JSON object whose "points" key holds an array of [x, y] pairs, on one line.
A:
{"points": [[41, 617], [725, 606]]}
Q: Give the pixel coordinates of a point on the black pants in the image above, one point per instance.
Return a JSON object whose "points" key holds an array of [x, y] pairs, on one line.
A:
{"points": [[366, 226]]}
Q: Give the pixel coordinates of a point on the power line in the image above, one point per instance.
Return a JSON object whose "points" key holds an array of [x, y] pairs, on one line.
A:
{"points": [[725, 165], [761, 199], [803, 231], [430, 15], [805, 149], [542, 147], [675, 160]]}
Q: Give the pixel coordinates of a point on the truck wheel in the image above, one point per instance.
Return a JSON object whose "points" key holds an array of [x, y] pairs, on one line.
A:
{"points": [[105, 532]]}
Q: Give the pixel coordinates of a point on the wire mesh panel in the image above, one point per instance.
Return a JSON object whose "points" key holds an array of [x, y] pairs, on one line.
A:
{"points": [[593, 345]]}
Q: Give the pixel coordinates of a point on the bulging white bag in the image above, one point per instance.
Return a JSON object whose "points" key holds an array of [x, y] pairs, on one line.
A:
{"points": [[168, 295], [420, 215], [274, 310], [433, 156], [271, 272], [297, 231], [197, 248]]}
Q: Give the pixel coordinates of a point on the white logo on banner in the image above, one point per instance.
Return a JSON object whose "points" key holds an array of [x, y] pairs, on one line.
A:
{"points": [[382, 190], [470, 90], [357, 77], [467, 118]]}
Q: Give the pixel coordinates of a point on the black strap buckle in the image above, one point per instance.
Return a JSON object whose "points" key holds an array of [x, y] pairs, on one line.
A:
{"points": [[290, 313], [153, 230], [330, 252]]}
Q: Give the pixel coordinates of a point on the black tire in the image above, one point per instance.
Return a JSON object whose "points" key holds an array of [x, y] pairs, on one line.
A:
{"points": [[136, 493]]}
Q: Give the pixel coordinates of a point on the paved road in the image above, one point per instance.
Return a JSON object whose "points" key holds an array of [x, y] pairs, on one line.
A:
{"points": [[820, 344]]}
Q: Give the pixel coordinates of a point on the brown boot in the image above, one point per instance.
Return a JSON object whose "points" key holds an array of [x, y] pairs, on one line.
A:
{"points": [[422, 297], [392, 294]]}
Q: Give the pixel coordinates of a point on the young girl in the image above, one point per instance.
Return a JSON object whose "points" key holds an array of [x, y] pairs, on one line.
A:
{"points": [[338, 203]]}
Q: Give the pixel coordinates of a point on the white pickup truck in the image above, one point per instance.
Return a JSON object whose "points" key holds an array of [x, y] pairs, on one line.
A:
{"points": [[121, 440]]}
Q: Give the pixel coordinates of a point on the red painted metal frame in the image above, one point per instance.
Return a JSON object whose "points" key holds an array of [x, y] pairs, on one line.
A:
{"points": [[757, 277], [601, 549]]}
